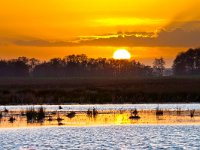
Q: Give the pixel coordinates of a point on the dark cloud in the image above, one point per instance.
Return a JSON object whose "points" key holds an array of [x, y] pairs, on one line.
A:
{"points": [[174, 38], [43, 43]]}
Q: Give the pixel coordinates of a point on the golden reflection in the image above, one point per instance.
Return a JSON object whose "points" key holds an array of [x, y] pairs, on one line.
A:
{"points": [[104, 118], [122, 119]]}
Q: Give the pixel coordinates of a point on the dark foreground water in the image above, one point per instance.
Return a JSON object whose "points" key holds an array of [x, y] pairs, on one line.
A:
{"points": [[103, 137]]}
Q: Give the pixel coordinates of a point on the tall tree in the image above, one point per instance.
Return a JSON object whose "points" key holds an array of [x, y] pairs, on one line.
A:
{"points": [[187, 63], [159, 66]]}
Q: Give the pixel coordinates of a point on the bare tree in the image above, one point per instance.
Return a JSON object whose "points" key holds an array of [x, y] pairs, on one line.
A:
{"points": [[159, 66]]}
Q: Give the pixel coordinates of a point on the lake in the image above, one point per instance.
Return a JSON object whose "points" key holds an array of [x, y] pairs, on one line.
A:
{"points": [[102, 137], [106, 131]]}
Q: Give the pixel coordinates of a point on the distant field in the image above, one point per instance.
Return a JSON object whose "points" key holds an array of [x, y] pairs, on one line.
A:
{"points": [[99, 90]]}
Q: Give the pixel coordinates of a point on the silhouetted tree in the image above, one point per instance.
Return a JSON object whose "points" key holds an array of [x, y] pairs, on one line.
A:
{"points": [[73, 66], [14, 68], [187, 63], [159, 66], [32, 63]]}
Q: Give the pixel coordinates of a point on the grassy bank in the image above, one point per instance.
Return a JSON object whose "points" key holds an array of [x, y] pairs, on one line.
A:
{"points": [[99, 90]]}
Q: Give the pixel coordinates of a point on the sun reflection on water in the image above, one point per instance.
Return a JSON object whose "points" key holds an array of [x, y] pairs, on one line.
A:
{"points": [[104, 118]]}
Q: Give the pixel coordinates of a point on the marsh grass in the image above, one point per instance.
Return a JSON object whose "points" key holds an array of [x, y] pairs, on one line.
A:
{"points": [[89, 113], [71, 115], [12, 119], [1, 115], [105, 117], [178, 111], [49, 117], [31, 115], [159, 112], [59, 119], [99, 90], [6, 110], [23, 113], [41, 114], [192, 113], [60, 124], [92, 113], [134, 115], [35, 116]]}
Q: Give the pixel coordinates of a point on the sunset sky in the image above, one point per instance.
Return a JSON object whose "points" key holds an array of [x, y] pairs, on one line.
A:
{"points": [[56, 28]]}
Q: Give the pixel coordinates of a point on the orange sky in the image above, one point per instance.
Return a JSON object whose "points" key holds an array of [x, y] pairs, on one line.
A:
{"points": [[56, 28]]}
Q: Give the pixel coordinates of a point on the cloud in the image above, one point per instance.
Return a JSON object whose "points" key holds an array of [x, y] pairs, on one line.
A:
{"points": [[173, 38], [43, 43]]}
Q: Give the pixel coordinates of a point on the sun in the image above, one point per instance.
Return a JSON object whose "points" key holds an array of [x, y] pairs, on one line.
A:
{"points": [[121, 54]]}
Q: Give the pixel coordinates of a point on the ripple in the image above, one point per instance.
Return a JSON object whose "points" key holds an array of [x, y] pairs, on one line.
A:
{"points": [[104, 137]]}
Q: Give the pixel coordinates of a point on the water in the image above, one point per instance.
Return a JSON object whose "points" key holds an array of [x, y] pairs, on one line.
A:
{"points": [[102, 137], [110, 107]]}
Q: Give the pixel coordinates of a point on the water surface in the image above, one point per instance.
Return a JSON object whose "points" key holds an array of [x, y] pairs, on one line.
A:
{"points": [[109, 107], [102, 137]]}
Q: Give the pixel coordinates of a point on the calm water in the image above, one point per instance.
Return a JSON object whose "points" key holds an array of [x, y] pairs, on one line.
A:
{"points": [[109, 107], [103, 137]]}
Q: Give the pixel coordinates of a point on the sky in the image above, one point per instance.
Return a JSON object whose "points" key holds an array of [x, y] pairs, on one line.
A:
{"points": [[148, 29]]}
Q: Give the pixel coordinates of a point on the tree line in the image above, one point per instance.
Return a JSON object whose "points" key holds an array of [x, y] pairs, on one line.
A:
{"points": [[72, 66], [185, 63]]}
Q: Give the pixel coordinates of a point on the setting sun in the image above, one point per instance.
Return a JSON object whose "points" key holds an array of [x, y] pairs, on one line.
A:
{"points": [[121, 54]]}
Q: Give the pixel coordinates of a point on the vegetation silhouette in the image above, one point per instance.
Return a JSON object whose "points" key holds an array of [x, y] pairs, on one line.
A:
{"points": [[12, 119], [50, 118], [192, 113], [1, 115], [187, 63], [34, 116], [178, 111], [99, 91], [159, 66], [72, 66], [59, 119], [159, 112], [92, 113], [6, 110], [78, 79], [134, 115], [111, 116], [71, 114]]}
